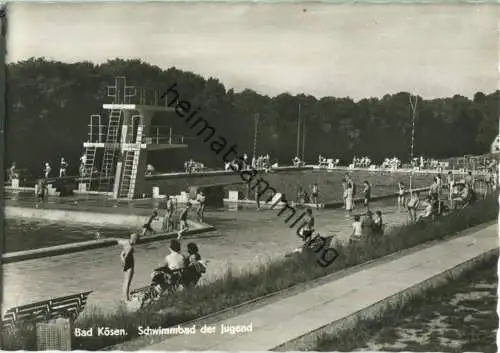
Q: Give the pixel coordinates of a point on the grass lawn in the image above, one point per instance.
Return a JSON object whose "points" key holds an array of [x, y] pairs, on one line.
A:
{"points": [[457, 317]]}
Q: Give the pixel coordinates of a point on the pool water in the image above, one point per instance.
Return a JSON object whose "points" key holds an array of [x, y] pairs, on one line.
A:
{"points": [[26, 235]]}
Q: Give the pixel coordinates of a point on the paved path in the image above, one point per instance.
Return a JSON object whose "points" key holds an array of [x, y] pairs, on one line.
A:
{"points": [[243, 240], [287, 319]]}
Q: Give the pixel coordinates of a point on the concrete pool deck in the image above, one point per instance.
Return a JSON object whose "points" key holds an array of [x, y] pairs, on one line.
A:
{"points": [[295, 323]]}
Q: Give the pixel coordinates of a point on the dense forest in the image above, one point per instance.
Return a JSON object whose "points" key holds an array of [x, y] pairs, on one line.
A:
{"points": [[49, 104]]}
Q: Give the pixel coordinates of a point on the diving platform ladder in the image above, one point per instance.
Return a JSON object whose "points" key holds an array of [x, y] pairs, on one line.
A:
{"points": [[131, 161], [110, 150], [88, 159], [88, 166]]}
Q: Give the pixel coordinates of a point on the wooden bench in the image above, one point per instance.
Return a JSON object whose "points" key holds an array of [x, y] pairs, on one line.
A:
{"points": [[67, 307]]}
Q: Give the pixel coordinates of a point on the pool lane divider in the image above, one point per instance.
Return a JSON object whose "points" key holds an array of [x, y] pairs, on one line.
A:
{"points": [[64, 249]]}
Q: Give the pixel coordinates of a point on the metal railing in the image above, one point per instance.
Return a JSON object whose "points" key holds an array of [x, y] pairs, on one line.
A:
{"points": [[158, 135], [146, 96], [161, 138]]}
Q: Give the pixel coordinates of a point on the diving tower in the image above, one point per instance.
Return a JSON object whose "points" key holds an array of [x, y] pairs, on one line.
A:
{"points": [[120, 141]]}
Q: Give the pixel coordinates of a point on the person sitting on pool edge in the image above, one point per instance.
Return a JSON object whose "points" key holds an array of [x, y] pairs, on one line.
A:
{"points": [[307, 228], [428, 212]]}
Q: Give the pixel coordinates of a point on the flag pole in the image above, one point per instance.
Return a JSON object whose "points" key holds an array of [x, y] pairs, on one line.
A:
{"points": [[298, 134], [413, 107]]}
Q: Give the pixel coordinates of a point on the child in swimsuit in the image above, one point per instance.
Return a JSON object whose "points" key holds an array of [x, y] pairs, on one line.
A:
{"points": [[315, 194], [183, 218], [201, 209], [367, 191], [146, 228], [167, 221], [401, 194], [356, 228]]}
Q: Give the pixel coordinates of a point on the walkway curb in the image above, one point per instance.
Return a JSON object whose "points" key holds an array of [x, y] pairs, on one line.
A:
{"points": [[173, 235], [24, 255], [308, 341]]}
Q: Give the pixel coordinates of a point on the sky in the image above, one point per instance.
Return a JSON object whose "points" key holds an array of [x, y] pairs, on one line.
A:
{"points": [[356, 50]]}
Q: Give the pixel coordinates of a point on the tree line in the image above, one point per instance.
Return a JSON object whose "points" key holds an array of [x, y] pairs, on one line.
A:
{"points": [[49, 104]]}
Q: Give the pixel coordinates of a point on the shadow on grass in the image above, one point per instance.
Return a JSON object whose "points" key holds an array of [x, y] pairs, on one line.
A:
{"points": [[232, 290]]}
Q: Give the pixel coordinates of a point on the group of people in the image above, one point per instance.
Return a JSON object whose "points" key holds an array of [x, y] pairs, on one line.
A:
{"points": [[429, 163], [391, 163], [46, 170], [327, 162], [297, 162], [63, 166], [174, 260], [304, 198], [191, 166], [190, 262], [461, 193], [370, 225], [168, 223], [261, 162], [42, 184], [350, 190], [362, 162]]}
